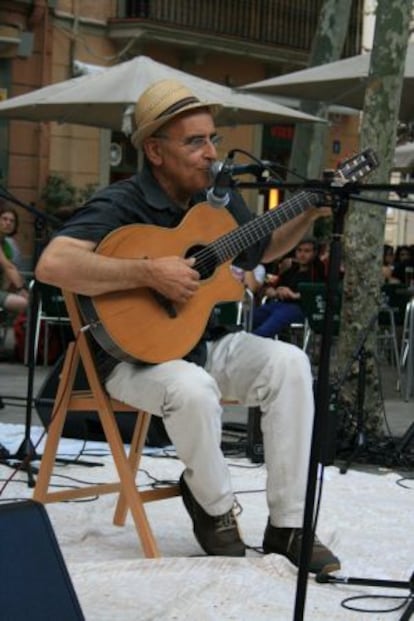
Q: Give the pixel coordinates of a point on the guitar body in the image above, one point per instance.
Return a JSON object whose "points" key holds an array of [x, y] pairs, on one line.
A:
{"points": [[133, 325], [136, 324]]}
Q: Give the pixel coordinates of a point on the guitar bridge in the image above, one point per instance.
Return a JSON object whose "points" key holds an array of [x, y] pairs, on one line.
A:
{"points": [[165, 303]]}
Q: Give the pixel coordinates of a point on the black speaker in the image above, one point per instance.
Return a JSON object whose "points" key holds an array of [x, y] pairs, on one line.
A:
{"points": [[86, 425], [34, 582]]}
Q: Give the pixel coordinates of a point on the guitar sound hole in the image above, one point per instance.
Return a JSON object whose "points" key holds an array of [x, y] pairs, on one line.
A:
{"points": [[206, 261]]}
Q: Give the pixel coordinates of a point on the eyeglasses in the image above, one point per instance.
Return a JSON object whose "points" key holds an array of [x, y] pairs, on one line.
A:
{"points": [[194, 143]]}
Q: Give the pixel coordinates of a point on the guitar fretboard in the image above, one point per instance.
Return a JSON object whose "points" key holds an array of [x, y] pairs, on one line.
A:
{"points": [[233, 243]]}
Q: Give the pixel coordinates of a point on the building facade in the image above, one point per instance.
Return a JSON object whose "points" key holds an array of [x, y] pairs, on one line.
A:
{"points": [[232, 42]]}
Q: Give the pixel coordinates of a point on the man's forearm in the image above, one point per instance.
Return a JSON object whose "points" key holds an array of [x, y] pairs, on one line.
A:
{"points": [[290, 234], [88, 273]]}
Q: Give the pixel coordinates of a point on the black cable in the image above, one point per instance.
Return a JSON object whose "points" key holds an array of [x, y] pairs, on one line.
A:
{"points": [[267, 166], [406, 600], [399, 482]]}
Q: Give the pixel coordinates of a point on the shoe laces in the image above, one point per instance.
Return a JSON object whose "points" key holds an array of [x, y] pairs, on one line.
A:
{"points": [[224, 522]]}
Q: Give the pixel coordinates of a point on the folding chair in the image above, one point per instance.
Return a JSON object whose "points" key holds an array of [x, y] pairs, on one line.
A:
{"points": [[96, 399], [313, 302], [295, 333], [390, 317], [407, 349], [239, 313], [47, 308]]}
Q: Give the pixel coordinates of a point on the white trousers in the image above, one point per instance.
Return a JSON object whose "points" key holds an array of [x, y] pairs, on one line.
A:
{"points": [[256, 371]]}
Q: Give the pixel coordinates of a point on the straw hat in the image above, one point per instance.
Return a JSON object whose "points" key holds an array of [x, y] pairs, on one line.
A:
{"points": [[161, 102]]}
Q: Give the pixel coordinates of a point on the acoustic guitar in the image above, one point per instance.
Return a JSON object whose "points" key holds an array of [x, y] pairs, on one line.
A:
{"points": [[141, 324]]}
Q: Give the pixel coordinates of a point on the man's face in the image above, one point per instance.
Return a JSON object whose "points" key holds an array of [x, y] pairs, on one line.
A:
{"points": [[181, 154], [305, 253], [7, 223]]}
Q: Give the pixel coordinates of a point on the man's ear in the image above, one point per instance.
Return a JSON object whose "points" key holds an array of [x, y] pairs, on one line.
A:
{"points": [[152, 150]]}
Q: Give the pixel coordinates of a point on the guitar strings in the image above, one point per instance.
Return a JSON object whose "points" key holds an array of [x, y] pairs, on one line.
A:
{"points": [[225, 247], [261, 225]]}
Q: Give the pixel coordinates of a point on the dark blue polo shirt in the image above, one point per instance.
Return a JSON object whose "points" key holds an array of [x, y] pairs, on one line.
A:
{"points": [[140, 199]]}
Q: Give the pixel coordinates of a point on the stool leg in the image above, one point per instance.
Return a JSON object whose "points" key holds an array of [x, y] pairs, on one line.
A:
{"points": [[134, 457], [56, 423]]}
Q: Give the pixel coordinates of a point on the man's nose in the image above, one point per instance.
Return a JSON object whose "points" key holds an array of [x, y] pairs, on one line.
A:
{"points": [[210, 149]]}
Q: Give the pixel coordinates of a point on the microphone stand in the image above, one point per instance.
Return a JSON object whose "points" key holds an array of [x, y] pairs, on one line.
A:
{"points": [[41, 215], [394, 584], [359, 355], [324, 420]]}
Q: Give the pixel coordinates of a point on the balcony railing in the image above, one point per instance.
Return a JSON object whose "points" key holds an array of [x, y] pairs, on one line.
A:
{"points": [[281, 23]]}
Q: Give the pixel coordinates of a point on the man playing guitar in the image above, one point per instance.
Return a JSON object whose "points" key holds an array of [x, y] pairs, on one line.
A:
{"points": [[177, 134]]}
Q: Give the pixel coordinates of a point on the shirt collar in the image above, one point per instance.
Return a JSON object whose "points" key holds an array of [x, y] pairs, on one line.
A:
{"points": [[155, 195], [153, 192]]}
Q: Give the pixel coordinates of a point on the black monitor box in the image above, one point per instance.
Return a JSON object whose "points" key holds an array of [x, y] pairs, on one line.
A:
{"points": [[35, 582]]}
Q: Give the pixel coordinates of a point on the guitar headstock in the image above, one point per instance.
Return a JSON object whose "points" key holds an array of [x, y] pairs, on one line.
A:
{"points": [[356, 167]]}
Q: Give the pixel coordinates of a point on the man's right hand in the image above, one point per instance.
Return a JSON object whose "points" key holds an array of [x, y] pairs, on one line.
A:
{"points": [[175, 278]]}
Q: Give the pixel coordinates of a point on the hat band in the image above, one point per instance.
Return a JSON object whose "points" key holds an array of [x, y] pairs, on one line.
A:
{"points": [[178, 105]]}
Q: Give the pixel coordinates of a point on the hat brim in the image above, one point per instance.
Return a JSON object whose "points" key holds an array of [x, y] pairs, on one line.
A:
{"points": [[147, 130]]}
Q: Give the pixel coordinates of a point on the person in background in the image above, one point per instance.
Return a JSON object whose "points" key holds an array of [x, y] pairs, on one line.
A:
{"points": [[388, 258], [13, 290], [176, 131], [9, 225], [404, 262], [282, 306]]}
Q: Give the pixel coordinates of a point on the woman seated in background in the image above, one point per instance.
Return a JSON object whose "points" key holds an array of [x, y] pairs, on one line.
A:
{"points": [[403, 260], [13, 291], [282, 307]]}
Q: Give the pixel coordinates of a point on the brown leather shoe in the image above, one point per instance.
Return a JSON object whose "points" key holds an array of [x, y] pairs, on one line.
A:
{"points": [[288, 541], [217, 535]]}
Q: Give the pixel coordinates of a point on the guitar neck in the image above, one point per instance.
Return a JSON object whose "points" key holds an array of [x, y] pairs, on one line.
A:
{"points": [[233, 243]]}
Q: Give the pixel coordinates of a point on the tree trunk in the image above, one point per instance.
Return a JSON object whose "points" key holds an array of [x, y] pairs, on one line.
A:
{"points": [[365, 223], [309, 143]]}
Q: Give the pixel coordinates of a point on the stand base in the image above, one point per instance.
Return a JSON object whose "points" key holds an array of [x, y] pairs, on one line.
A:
{"points": [[26, 454], [393, 584], [359, 444]]}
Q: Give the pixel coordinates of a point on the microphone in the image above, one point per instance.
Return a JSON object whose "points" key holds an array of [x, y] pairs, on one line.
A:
{"points": [[217, 195], [221, 174], [227, 169]]}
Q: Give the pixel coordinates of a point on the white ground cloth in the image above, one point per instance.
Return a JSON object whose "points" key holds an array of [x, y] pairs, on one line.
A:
{"points": [[366, 518]]}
